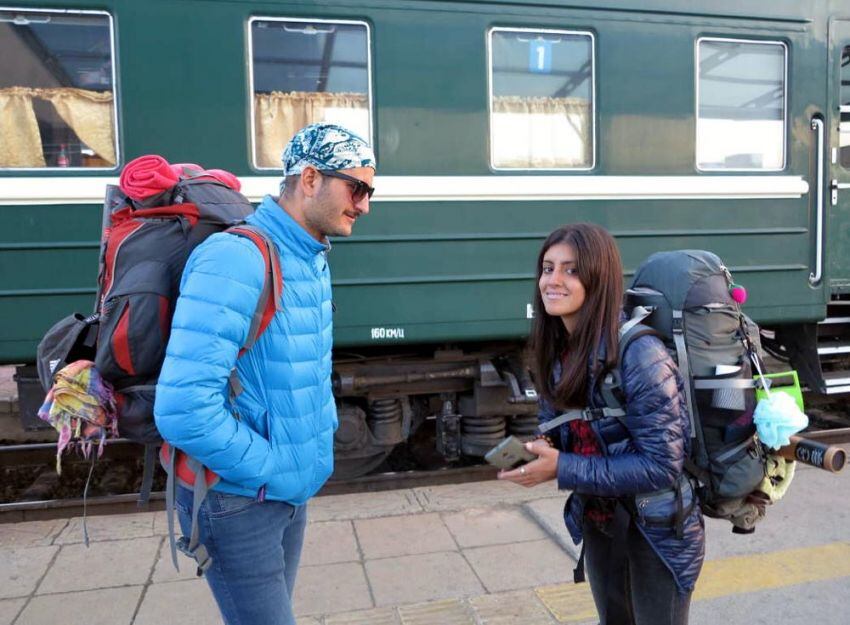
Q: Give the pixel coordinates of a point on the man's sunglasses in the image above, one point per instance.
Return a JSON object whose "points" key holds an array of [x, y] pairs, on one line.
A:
{"points": [[359, 189]]}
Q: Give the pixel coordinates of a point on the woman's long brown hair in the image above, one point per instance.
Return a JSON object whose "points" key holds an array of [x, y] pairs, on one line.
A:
{"points": [[600, 271]]}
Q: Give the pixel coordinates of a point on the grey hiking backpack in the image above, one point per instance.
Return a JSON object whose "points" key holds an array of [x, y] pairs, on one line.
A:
{"points": [[684, 296]]}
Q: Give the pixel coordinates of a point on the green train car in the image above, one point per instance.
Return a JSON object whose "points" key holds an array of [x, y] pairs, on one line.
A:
{"points": [[718, 125]]}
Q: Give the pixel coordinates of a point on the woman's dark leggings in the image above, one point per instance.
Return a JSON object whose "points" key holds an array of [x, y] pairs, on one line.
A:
{"points": [[636, 590]]}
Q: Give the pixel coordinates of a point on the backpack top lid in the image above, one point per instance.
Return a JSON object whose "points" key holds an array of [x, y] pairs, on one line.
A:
{"points": [[151, 187], [692, 281], [684, 277]]}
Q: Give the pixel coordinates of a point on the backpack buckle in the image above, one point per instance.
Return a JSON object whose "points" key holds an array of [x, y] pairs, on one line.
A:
{"points": [[199, 554], [592, 414]]}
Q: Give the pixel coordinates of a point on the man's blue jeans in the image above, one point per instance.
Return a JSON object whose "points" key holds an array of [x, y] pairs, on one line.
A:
{"points": [[255, 547]]}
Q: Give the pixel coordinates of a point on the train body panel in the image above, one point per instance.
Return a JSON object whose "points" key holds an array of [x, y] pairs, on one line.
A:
{"points": [[663, 103]]}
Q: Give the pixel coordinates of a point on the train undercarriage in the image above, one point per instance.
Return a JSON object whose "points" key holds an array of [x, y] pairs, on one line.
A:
{"points": [[433, 405], [474, 398]]}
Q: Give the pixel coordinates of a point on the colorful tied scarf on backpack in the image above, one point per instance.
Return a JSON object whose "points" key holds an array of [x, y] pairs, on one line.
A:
{"points": [[80, 406]]}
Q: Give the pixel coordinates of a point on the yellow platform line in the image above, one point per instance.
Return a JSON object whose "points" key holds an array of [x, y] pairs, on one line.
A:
{"points": [[572, 603], [568, 603], [744, 574]]}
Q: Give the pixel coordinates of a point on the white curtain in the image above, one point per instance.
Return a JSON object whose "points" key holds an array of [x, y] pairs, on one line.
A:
{"points": [[541, 132]]}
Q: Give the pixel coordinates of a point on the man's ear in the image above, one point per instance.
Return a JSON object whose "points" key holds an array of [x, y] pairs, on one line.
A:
{"points": [[310, 181]]}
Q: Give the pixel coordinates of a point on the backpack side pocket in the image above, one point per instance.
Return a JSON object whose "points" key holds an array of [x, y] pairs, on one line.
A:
{"points": [[135, 324], [737, 469]]}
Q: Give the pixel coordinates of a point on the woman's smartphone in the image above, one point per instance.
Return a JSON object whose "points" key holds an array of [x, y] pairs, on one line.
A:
{"points": [[509, 453]]}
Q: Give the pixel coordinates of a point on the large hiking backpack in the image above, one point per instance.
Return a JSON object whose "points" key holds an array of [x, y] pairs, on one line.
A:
{"points": [[684, 298], [146, 243]]}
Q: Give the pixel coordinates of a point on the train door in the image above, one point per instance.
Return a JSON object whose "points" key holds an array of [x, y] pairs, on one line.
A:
{"points": [[838, 198]]}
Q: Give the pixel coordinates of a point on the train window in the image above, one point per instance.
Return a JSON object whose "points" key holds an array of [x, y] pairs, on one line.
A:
{"points": [[304, 72], [57, 89], [844, 97], [541, 99], [741, 104]]}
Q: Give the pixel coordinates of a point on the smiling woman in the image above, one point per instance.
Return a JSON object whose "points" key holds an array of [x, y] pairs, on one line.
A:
{"points": [[636, 570], [577, 306]]}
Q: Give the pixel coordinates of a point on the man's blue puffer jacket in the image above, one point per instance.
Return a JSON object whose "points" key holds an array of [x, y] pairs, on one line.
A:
{"points": [[642, 452], [283, 439]]}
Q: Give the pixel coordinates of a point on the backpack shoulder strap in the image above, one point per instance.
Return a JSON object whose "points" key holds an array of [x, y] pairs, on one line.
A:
{"points": [[684, 368], [270, 300], [611, 383]]}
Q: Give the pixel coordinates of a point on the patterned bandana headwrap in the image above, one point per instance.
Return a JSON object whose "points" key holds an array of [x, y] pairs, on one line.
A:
{"points": [[326, 147]]}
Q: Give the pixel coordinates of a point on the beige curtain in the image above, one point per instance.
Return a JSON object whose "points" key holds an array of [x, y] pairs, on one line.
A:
{"points": [[88, 113], [541, 132], [20, 142], [279, 115]]}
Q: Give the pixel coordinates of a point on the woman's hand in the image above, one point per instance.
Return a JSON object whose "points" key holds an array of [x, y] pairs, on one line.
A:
{"points": [[536, 472]]}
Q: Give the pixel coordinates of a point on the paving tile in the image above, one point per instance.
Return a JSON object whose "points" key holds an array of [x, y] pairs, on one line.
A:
{"points": [[426, 577], [480, 495], [30, 533], [568, 603], [443, 612], [377, 616], [391, 536], [9, 609], [108, 527], [328, 542], [358, 506], [160, 523], [21, 568], [491, 526], [110, 606], [164, 570], [549, 514], [509, 608], [184, 602], [102, 565], [520, 565], [330, 588]]}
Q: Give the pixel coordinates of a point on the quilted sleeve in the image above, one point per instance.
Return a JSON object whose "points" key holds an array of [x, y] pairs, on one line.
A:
{"points": [[656, 419], [219, 291], [546, 412]]}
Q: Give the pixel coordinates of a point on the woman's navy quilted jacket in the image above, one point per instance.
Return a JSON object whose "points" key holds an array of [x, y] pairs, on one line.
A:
{"points": [[642, 452]]}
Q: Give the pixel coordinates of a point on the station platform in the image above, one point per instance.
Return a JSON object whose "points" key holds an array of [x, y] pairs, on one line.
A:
{"points": [[477, 553]]}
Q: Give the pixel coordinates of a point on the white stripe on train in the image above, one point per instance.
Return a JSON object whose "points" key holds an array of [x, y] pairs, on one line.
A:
{"points": [[495, 188]]}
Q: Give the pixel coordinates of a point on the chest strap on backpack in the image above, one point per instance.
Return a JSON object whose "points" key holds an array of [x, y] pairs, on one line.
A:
{"points": [[585, 414]]}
